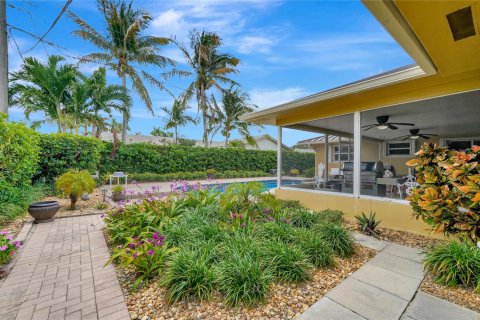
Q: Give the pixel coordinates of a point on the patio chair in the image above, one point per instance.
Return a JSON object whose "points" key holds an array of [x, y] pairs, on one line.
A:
{"points": [[319, 180], [404, 189]]}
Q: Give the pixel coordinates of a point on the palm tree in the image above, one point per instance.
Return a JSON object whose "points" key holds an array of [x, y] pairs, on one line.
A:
{"points": [[210, 69], [124, 47], [235, 103], [44, 87], [177, 117]]}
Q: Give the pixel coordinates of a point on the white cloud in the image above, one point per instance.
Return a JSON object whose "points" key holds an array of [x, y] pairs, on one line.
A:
{"points": [[250, 44], [265, 98]]}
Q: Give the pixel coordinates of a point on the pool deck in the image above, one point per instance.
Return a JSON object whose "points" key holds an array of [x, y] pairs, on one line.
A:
{"points": [[165, 186]]}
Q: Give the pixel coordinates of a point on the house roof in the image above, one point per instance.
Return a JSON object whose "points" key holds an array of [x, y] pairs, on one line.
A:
{"points": [[443, 66]]}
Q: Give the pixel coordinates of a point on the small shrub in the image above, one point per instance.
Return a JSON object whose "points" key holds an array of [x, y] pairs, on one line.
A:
{"points": [[211, 171], [8, 246], [331, 216], [285, 262], [318, 252], [453, 263], [74, 183], [369, 224], [242, 279], [303, 218], [309, 172], [294, 172], [282, 232], [189, 275], [118, 189], [338, 238], [102, 206]]}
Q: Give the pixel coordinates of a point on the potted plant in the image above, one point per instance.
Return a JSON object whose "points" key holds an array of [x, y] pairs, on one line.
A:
{"points": [[294, 172], [43, 211], [211, 173], [74, 183], [118, 193]]}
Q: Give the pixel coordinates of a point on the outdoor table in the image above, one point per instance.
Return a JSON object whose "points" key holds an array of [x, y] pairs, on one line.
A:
{"points": [[119, 175]]}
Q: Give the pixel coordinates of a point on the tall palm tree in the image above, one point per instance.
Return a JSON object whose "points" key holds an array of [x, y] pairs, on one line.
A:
{"points": [[235, 103], [177, 117], [210, 69], [44, 87], [124, 47]]}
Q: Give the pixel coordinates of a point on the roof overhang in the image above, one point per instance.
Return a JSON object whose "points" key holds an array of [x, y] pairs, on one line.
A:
{"points": [[409, 23]]}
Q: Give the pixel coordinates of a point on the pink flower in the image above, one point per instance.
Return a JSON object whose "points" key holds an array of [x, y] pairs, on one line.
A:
{"points": [[3, 248], [3, 232], [12, 252], [10, 237], [150, 252], [135, 254]]}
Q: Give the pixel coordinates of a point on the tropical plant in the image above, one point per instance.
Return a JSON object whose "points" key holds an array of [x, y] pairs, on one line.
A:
{"points": [[238, 144], [125, 48], [210, 69], [453, 263], [44, 87], [235, 104], [368, 225], [448, 196], [157, 132], [75, 183], [338, 238], [176, 116], [118, 189], [317, 251]]}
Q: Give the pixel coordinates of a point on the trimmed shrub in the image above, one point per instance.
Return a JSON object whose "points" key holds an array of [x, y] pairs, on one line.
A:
{"points": [[62, 152], [19, 153], [453, 263], [338, 238], [309, 172], [74, 183], [144, 157], [189, 275]]}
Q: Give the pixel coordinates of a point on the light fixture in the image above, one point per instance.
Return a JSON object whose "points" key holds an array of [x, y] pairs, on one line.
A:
{"points": [[104, 194], [414, 137], [461, 23], [382, 127]]}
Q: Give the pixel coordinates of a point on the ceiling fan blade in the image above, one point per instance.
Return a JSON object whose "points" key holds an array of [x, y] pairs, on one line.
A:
{"points": [[406, 138], [401, 137], [392, 126], [369, 125], [424, 136], [402, 123], [430, 134]]}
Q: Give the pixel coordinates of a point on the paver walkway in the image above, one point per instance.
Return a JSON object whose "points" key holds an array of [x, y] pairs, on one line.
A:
{"points": [[60, 275], [385, 288]]}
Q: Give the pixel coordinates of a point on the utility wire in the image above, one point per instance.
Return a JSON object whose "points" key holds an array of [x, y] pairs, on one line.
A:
{"points": [[65, 7]]}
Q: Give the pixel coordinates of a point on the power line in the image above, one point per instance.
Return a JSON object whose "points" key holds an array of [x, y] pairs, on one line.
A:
{"points": [[53, 24]]}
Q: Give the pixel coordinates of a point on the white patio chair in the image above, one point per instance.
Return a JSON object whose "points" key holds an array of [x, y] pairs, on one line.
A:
{"points": [[319, 179], [404, 189]]}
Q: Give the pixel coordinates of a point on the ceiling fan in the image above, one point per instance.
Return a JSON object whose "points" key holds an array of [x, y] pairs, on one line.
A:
{"points": [[415, 134], [382, 124]]}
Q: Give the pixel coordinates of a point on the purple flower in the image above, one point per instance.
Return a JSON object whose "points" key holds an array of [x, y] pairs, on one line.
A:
{"points": [[240, 216], [155, 236], [12, 252], [102, 216], [135, 254], [266, 211], [243, 225], [18, 245], [131, 245], [150, 252], [3, 232], [10, 237], [3, 248]]}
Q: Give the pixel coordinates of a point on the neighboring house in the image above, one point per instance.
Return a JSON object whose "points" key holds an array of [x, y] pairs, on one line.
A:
{"points": [[438, 96], [264, 142]]}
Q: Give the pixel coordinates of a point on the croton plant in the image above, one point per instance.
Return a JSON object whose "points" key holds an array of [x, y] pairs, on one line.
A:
{"points": [[448, 198]]}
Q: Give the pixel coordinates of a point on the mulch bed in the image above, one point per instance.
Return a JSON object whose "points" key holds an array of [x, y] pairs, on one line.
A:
{"points": [[285, 301], [83, 206]]}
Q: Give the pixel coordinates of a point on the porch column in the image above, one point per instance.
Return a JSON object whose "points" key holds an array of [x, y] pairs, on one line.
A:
{"points": [[279, 157], [327, 149], [357, 161], [340, 154]]}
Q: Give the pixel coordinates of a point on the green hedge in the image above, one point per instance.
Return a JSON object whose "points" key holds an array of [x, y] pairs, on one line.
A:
{"points": [[196, 175], [144, 157], [61, 152]]}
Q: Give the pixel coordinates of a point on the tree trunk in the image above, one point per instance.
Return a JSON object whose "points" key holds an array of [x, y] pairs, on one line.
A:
{"points": [[94, 130], [176, 135], [73, 202], [203, 106], [226, 139], [125, 115]]}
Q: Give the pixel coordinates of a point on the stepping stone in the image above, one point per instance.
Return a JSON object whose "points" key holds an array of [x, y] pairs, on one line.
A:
{"points": [[370, 242], [427, 307], [367, 301], [404, 252], [326, 309], [399, 265], [386, 280]]}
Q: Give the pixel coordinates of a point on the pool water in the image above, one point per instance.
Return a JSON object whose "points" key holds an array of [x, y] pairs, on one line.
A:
{"points": [[268, 184]]}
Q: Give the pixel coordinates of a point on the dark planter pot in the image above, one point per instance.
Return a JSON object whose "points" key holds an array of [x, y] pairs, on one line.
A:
{"points": [[118, 196], [43, 211]]}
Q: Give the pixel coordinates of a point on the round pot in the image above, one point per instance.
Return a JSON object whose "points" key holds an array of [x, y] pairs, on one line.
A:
{"points": [[118, 196], [43, 211]]}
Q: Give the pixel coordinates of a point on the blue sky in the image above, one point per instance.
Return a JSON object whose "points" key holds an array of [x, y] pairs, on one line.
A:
{"points": [[288, 49]]}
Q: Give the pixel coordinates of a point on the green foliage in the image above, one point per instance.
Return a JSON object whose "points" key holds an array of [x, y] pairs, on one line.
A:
{"points": [[8, 246], [187, 142], [448, 198], [102, 206], [237, 196], [144, 157], [14, 201], [160, 133], [453, 263], [211, 171], [118, 189], [309, 172], [368, 224], [243, 279], [189, 275], [294, 172], [74, 183], [286, 262], [62, 152], [19, 153], [337, 238], [331, 216], [318, 252], [303, 218]]}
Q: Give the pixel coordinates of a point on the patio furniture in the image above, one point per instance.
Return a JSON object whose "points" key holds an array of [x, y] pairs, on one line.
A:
{"points": [[391, 185], [404, 189], [319, 179], [119, 175]]}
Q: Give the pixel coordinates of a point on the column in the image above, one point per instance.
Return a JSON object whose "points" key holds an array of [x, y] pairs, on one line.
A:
{"points": [[279, 157], [357, 140]]}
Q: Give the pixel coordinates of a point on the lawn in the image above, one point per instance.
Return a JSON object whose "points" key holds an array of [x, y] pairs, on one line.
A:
{"points": [[233, 248]]}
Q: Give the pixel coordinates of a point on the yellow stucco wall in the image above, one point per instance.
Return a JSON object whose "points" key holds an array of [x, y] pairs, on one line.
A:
{"points": [[392, 214]]}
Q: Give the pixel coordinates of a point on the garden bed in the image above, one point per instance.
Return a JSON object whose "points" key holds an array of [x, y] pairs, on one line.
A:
{"points": [[285, 301], [217, 255]]}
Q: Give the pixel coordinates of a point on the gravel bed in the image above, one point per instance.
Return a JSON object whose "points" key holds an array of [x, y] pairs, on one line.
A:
{"points": [[285, 300], [83, 206], [465, 297]]}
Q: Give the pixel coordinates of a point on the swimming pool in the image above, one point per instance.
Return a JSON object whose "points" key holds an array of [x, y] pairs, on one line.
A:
{"points": [[268, 184]]}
